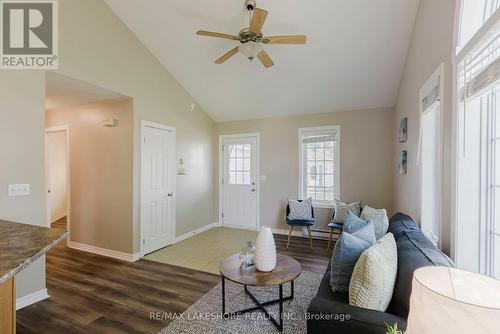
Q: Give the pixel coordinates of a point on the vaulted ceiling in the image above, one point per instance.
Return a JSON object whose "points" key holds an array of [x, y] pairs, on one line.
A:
{"points": [[354, 58]]}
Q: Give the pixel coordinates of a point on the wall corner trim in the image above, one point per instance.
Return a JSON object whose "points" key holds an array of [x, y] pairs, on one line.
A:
{"points": [[32, 298], [105, 252], [197, 231]]}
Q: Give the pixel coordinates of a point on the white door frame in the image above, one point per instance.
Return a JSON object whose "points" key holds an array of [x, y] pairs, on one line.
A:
{"points": [[173, 159], [221, 173], [61, 128]]}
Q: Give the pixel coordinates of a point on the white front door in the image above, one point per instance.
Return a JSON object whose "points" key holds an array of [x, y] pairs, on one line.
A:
{"points": [[158, 188], [239, 182]]}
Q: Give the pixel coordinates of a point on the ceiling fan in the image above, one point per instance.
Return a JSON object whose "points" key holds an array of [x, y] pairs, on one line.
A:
{"points": [[252, 39]]}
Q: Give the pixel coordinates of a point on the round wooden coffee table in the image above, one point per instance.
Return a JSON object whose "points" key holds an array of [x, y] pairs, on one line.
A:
{"points": [[286, 271]]}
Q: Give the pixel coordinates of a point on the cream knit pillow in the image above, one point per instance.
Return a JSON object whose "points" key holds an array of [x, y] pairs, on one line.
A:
{"points": [[374, 275], [379, 218]]}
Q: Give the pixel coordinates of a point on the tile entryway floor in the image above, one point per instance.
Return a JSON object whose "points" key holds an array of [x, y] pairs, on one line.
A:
{"points": [[206, 250]]}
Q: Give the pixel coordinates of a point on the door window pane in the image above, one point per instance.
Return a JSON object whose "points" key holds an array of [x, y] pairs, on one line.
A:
{"points": [[239, 167]]}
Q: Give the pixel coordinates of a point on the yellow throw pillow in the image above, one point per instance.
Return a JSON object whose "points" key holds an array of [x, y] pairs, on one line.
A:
{"points": [[374, 275]]}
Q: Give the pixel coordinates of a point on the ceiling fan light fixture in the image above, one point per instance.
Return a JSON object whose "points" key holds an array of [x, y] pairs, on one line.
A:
{"points": [[250, 49]]}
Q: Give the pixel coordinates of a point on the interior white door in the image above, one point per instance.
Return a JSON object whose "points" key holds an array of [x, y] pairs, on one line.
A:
{"points": [[158, 188], [57, 174], [47, 181], [239, 184]]}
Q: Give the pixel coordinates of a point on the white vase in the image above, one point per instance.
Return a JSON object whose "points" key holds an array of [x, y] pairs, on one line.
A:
{"points": [[265, 250]]}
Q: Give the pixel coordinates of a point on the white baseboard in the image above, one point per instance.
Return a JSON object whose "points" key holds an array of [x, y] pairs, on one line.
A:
{"points": [[301, 233], [197, 231], [59, 216], [32, 298], [105, 252], [237, 227], [295, 232]]}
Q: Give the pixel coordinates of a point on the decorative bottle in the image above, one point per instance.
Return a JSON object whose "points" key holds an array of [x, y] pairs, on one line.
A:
{"points": [[247, 255]]}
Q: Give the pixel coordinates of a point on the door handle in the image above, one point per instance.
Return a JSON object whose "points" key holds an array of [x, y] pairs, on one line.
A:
{"points": [[253, 190], [170, 194]]}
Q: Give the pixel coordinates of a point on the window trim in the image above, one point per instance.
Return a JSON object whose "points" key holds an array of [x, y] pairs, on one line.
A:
{"points": [[336, 164], [479, 37], [461, 52]]}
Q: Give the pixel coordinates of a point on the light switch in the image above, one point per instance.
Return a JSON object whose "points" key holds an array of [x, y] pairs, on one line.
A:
{"points": [[263, 177], [19, 190]]}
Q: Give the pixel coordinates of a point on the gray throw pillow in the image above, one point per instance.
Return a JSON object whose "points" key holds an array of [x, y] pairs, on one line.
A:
{"points": [[300, 210], [347, 250], [342, 210]]}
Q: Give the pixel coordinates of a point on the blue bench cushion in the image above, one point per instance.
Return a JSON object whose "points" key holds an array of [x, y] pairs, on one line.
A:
{"points": [[300, 222], [336, 226]]}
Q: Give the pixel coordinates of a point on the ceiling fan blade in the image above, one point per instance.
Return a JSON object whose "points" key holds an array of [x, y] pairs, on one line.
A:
{"points": [[265, 59], [227, 56], [217, 34], [299, 39], [258, 18]]}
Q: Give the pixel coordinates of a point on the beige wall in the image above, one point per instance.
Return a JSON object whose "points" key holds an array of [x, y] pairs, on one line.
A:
{"points": [[101, 177], [108, 55], [57, 165], [366, 159], [96, 47], [431, 45], [22, 151]]}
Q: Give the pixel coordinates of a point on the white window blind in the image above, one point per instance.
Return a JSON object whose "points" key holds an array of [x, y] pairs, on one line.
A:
{"points": [[432, 97], [319, 164]]}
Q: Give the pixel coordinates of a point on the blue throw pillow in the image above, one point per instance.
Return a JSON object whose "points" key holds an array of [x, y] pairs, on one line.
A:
{"points": [[363, 229], [346, 253]]}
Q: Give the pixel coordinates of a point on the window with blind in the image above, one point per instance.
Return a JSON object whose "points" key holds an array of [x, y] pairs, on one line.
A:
{"points": [[319, 164], [429, 155], [478, 142]]}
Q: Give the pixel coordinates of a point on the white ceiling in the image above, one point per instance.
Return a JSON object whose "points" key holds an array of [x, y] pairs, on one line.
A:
{"points": [[354, 58], [64, 92]]}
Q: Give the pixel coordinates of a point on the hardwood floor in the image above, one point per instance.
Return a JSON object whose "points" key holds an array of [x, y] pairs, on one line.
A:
{"points": [[61, 223], [95, 294]]}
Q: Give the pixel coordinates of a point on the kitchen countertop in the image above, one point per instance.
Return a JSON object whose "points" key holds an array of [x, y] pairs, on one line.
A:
{"points": [[22, 244]]}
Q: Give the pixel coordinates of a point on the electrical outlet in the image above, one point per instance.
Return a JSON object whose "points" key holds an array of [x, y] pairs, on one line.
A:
{"points": [[19, 190]]}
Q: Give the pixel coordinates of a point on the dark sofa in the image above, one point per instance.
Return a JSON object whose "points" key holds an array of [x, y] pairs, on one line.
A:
{"points": [[330, 312]]}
